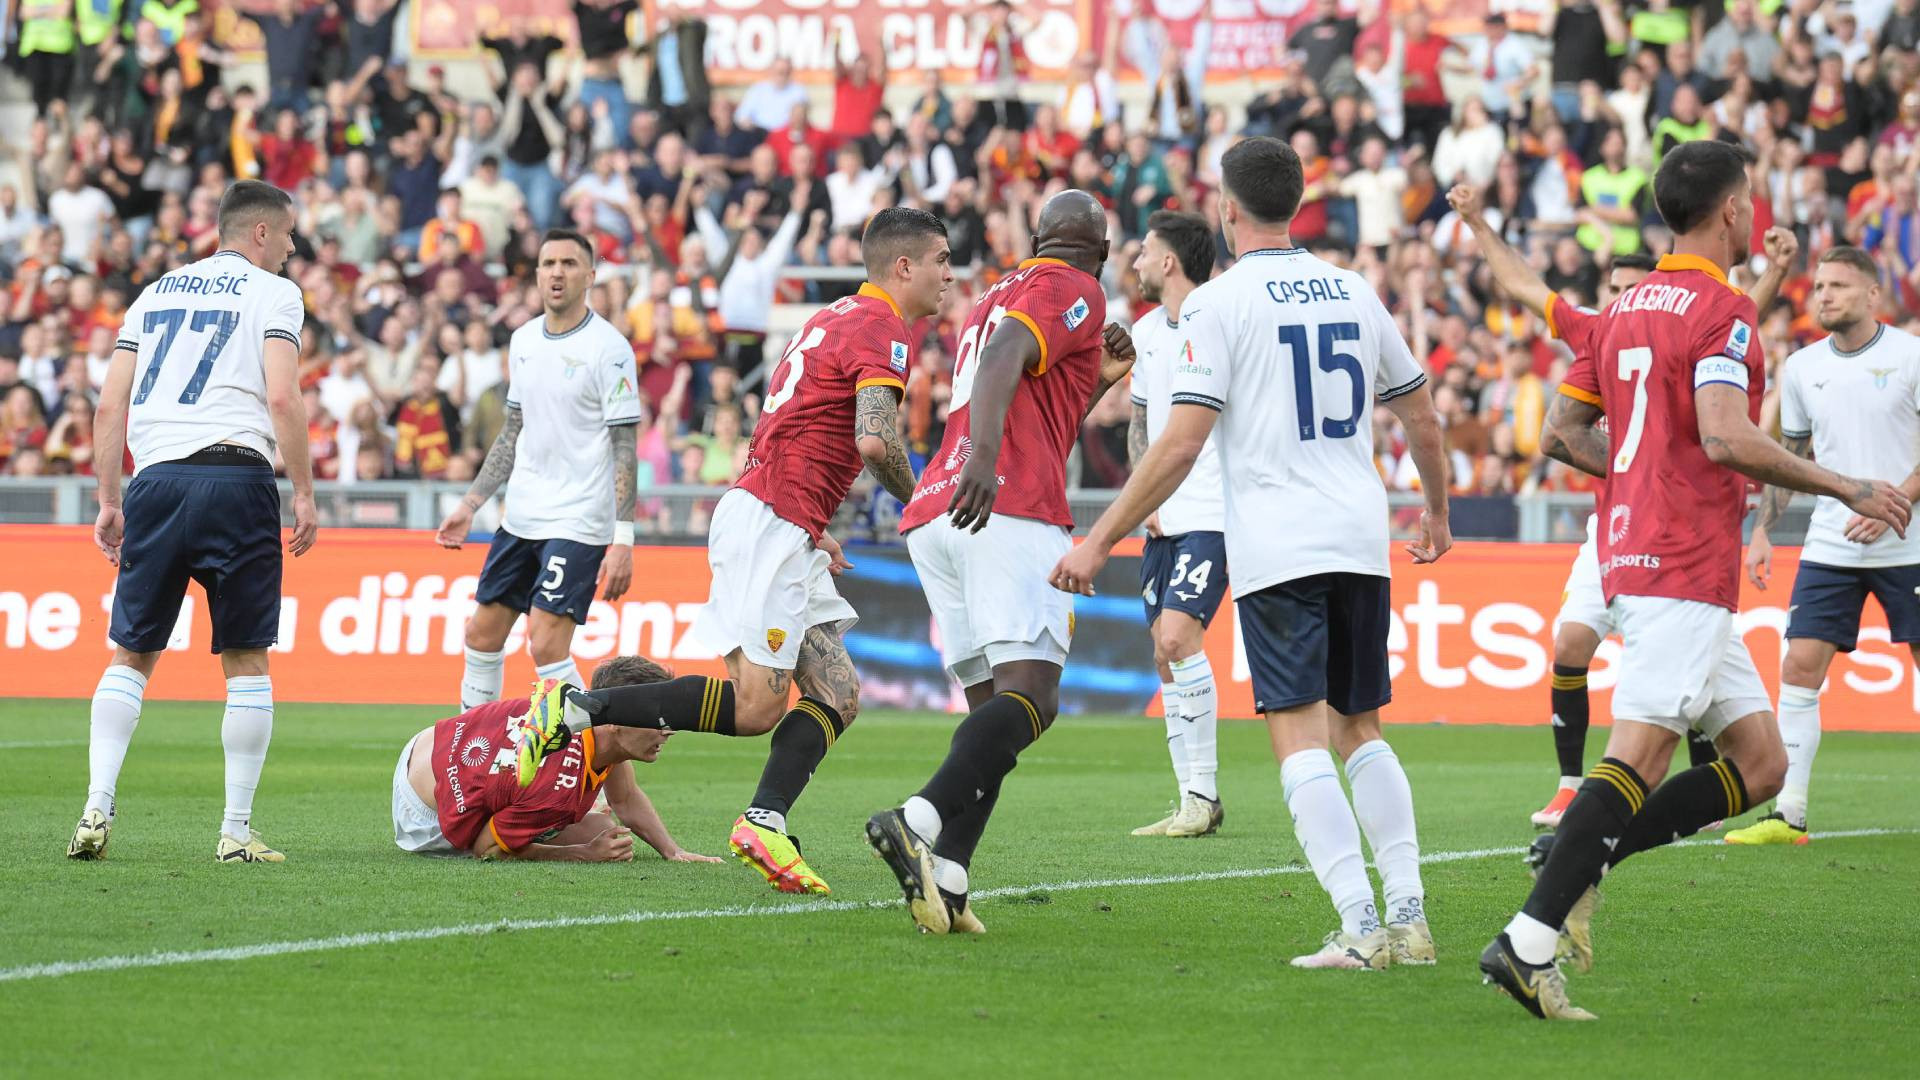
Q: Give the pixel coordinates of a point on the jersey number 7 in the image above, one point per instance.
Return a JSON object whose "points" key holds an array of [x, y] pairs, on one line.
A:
{"points": [[1635, 363], [168, 322]]}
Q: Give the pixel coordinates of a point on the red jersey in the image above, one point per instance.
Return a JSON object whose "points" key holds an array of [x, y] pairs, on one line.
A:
{"points": [[475, 786], [1669, 517], [1066, 310], [802, 461]]}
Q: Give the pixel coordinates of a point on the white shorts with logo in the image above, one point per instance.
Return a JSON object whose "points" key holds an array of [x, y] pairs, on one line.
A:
{"points": [[770, 585], [1683, 667], [416, 826], [1582, 601], [989, 593]]}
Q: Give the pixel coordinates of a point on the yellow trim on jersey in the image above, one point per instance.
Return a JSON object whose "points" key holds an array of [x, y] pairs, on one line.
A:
{"points": [[594, 780], [1553, 331], [1579, 394], [1671, 263], [1040, 367], [895, 383], [499, 843], [1043, 262], [868, 288]]}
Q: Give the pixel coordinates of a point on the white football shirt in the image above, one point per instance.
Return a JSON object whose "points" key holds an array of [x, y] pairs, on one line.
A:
{"points": [[570, 388], [1862, 410], [1200, 503], [1293, 351], [200, 335]]}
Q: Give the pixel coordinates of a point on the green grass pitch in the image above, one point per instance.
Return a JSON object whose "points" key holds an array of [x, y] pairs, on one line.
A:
{"points": [[1106, 954]]}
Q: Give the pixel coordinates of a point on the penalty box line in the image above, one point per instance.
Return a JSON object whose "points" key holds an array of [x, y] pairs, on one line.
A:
{"points": [[176, 958]]}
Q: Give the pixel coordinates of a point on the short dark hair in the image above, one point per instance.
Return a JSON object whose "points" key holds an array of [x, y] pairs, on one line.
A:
{"points": [[897, 231], [246, 201], [628, 671], [1264, 176], [1190, 239], [1695, 178], [569, 236], [1853, 257], [1634, 260]]}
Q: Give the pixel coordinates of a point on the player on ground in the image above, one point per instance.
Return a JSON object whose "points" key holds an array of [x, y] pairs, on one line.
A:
{"points": [[986, 521], [568, 444], [1287, 354], [215, 348], [1183, 571], [456, 786], [832, 407], [1678, 369], [1583, 621], [1852, 401]]}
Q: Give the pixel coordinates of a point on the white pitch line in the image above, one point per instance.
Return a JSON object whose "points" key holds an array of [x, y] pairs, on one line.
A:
{"points": [[41, 744], [138, 961]]}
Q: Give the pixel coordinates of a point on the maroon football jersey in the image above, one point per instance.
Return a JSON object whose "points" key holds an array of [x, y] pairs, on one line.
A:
{"points": [[476, 787]]}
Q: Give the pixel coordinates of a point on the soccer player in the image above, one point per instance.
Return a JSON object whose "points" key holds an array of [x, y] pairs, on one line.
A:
{"points": [[1183, 571], [1286, 354], [1852, 401], [1583, 621], [215, 347], [832, 406], [456, 787], [988, 518], [573, 402], [1678, 370]]}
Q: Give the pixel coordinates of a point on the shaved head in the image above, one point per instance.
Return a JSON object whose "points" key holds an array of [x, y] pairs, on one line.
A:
{"points": [[1072, 228]]}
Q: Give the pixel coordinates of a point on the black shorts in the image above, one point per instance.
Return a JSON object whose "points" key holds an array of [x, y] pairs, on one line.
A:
{"points": [[552, 575], [1319, 638], [218, 525], [1185, 573], [1827, 602]]}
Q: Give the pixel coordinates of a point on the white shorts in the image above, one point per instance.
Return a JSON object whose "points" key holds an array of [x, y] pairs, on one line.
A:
{"points": [[989, 593], [1683, 667], [1582, 601], [770, 585], [416, 826]]}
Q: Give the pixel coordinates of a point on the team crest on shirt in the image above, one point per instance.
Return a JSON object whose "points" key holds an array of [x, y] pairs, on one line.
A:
{"points": [[1077, 314], [1739, 339], [475, 753], [1880, 375], [572, 366], [1619, 522], [775, 639]]}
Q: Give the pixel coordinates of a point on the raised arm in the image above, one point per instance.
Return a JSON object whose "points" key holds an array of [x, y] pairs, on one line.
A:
{"points": [[493, 473], [1116, 361], [1509, 270], [1781, 246], [876, 434]]}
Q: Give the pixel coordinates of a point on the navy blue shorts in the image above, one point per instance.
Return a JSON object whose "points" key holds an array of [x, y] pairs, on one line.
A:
{"points": [[218, 525], [1186, 573], [1319, 638], [1827, 602], [552, 575]]}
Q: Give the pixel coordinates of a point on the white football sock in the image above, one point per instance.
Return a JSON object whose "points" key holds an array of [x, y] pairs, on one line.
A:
{"points": [[1383, 801], [1176, 733], [116, 711], [767, 819], [480, 683], [1324, 825], [245, 733], [1200, 704], [1533, 940], [561, 669], [1572, 783], [922, 818], [949, 875], [1800, 731]]}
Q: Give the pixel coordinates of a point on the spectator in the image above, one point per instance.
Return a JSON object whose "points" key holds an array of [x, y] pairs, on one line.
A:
{"points": [[413, 176], [1740, 32], [489, 200], [45, 50], [852, 186], [607, 194], [722, 143], [1588, 36], [450, 228], [770, 104], [1678, 71], [23, 421], [796, 135], [749, 272], [1327, 42], [859, 85], [1684, 124], [1003, 66], [1376, 188], [677, 84], [1505, 68], [531, 131], [603, 40], [426, 427], [1140, 185], [1469, 150], [1088, 101], [1612, 199], [1902, 28], [1425, 98], [82, 212], [293, 45]]}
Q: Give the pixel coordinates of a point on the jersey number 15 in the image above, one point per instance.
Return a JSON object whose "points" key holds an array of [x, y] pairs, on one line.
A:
{"points": [[1331, 334], [168, 323]]}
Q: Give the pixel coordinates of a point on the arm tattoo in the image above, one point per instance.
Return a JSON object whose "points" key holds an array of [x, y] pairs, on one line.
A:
{"points": [[626, 469], [825, 671], [1570, 435], [877, 416], [1136, 436], [499, 464], [1774, 499]]}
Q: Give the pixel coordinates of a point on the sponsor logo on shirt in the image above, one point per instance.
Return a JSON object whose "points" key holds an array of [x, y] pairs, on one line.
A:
{"points": [[622, 390], [1187, 363], [1739, 339], [1642, 562], [899, 360], [961, 451], [1077, 314], [1618, 522], [475, 753]]}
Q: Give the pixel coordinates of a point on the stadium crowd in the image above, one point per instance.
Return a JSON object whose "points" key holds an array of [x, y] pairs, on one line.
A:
{"points": [[420, 208]]}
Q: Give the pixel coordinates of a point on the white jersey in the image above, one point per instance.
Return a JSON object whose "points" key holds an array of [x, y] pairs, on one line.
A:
{"points": [[1293, 351], [200, 336], [1200, 503], [1862, 410], [570, 388]]}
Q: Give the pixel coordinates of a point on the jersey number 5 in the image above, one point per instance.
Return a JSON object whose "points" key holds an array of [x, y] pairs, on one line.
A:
{"points": [[1331, 334], [793, 364], [169, 322], [1634, 365]]}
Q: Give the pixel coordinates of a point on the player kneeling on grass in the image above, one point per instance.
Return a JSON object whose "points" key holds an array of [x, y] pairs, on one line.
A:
{"points": [[457, 787]]}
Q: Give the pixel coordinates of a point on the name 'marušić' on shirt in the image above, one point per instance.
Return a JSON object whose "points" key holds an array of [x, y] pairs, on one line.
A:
{"points": [[198, 285]]}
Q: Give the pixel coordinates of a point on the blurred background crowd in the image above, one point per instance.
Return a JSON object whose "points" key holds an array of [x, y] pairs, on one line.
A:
{"points": [[421, 195]]}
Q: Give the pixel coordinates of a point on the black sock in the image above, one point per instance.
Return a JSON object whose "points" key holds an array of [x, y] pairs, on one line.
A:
{"points": [[1570, 718], [985, 748], [1683, 806], [1596, 823], [689, 703], [961, 835], [1701, 751], [800, 741]]}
